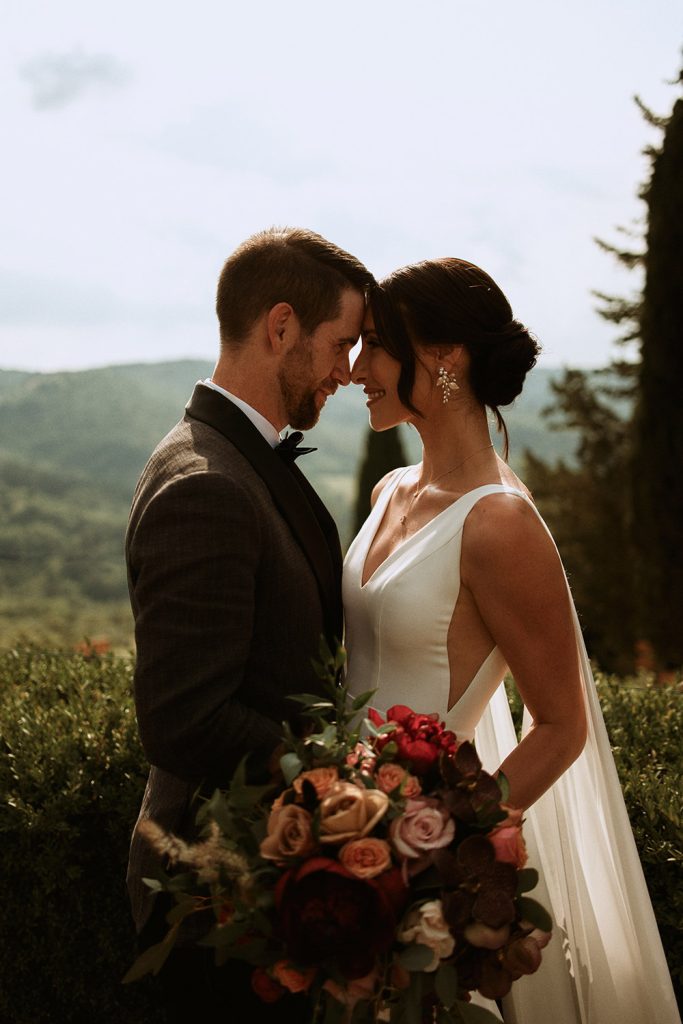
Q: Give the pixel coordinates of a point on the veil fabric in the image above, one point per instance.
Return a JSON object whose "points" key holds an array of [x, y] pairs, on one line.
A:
{"points": [[605, 963]]}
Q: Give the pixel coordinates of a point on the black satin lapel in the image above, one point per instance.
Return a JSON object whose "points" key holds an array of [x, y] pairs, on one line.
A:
{"points": [[292, 494]]}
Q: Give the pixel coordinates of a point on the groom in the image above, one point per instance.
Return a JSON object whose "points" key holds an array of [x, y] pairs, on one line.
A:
{"points": [[234, 564]]}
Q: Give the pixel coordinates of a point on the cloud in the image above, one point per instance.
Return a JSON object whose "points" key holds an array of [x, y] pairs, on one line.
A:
{"points": [[58, 79]]}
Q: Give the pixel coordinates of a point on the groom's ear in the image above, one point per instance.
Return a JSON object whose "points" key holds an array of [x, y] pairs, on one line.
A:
{"points": [[282, 327]]}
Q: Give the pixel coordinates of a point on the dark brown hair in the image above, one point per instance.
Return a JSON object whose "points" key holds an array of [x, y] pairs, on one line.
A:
{"points": [[451, 302], [285, 265]]}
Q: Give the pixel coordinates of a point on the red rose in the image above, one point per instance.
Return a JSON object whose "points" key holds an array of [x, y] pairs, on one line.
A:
{"points": [[266, 988], [420, 753], [325, 913]]}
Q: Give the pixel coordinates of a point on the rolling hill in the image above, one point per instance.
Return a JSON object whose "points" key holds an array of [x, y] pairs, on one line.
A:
{"points": [[71, 448]]}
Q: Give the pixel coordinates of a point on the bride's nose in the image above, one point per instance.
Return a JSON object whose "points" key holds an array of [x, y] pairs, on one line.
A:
{"points": [[358, 370]]}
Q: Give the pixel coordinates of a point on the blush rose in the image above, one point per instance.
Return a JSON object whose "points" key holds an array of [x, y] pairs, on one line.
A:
{"points": [[426, 925], [424, 825]]}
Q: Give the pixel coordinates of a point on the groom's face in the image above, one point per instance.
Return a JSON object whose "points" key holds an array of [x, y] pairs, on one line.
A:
{"points": [[319, 363]]}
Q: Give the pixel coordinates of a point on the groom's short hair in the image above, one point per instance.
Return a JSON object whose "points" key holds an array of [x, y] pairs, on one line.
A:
{"points": [[291, 265]]}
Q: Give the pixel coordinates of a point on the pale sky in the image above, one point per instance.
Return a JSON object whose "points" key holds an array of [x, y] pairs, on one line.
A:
{"points": [[142, 141]]}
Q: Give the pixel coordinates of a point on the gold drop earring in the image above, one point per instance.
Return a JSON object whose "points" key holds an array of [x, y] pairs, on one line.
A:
{"points": [[448, 383]]}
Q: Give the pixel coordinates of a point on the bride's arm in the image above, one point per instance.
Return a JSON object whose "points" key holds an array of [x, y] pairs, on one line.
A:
{"points": [[512, 569]]}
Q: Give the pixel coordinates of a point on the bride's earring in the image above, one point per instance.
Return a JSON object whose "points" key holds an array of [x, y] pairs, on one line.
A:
{"points": [[448, 383]]}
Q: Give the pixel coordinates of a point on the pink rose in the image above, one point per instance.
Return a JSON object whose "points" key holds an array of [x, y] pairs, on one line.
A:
{"points": [[289, 834], [390, 776], [424, 825]]}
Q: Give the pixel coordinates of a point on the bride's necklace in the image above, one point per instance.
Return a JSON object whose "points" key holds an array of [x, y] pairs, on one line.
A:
{"points": [[419, 490]]}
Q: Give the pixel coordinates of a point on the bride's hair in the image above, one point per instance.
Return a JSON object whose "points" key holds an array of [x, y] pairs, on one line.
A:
{"points": [[453, 302]]}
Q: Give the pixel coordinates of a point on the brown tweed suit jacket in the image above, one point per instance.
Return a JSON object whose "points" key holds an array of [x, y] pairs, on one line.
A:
{"points": [[234, 571]]}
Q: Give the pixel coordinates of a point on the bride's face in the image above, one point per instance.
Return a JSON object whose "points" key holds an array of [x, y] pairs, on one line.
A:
{"points": [[377, 372]]}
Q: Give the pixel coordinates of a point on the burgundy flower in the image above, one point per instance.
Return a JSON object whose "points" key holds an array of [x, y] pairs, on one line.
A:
{"points": [[420, 739], [325, 913]]}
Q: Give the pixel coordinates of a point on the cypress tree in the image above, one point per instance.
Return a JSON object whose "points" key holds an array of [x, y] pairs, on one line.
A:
{"points": [[617, 514], [383, 451], [657, 457]]}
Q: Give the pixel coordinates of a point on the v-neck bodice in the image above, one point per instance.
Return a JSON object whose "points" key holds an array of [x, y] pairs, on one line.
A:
{"points": [[397, 622]]}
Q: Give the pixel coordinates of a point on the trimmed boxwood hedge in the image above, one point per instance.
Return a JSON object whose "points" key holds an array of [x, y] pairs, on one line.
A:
{"points": [[71, 778]]}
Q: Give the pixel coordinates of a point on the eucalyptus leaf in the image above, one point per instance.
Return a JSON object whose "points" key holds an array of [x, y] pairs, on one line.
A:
{"points": [[361, 700], [504, 786], [153, 959], [527, 879], [415, 957], [467, 1013], [291, 764], [446, 984], [533, 912]]}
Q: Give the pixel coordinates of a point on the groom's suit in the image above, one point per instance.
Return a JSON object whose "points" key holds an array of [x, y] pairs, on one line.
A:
{"points": [[234, 570]]}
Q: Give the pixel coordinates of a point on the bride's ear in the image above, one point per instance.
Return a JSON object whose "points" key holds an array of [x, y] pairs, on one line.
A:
{"points": [[453, 358]]}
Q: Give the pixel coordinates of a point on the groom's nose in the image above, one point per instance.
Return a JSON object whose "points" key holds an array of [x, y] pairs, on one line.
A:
{"points": [[342, 369]]}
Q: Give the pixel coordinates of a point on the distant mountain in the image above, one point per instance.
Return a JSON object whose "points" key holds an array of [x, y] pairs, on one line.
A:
{"points": [[72, 446]]}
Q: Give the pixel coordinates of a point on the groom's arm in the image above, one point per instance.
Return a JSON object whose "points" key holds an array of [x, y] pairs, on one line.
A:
{"points": [[194, 557]]}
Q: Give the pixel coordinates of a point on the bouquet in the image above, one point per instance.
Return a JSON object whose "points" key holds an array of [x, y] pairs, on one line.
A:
{"points": [[381, 873]]}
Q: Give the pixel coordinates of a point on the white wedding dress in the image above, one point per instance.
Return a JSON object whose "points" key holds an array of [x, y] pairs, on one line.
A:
{"points": [[605, 963]]}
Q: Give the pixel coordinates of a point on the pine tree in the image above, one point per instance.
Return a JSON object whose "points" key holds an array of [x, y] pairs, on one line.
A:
{"points": [[383, 451], [657, 459]]}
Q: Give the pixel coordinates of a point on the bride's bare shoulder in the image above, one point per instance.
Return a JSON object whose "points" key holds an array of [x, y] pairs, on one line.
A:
{"points": [[505, 534], [381, 484]]}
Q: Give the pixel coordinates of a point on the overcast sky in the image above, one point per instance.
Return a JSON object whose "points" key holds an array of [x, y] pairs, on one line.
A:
{"points": [[143, 140]]}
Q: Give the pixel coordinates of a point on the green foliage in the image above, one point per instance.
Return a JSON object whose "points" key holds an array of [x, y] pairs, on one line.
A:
{"points": [[585, 507], [616, 515], [71, 779], [657, 426], [645, 726]]}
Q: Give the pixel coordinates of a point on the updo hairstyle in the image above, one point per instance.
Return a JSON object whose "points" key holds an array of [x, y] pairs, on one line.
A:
{"points": [[452, 302]]}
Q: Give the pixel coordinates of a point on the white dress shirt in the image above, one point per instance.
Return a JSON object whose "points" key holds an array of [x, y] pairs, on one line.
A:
{"points": [[264, 426]]}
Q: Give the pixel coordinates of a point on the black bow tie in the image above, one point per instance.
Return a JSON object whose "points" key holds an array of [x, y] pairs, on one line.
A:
{"points": [[289, 448]]}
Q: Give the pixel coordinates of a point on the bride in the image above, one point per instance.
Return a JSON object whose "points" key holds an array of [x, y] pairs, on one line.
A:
{"points": [[454, 580]]}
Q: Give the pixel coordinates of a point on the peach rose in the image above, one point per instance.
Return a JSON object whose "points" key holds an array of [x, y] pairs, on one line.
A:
{"points": [[390, 776], [508, 843], [320, 778], [424, 825], [350, 812], [292, 979], [289, 834], [366, 858], [426, 925]]}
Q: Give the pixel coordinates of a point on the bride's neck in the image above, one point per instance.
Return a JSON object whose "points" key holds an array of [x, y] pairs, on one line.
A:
{"points": [[457, 436]]}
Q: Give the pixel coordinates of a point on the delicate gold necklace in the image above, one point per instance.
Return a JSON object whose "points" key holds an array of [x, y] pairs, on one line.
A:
{"points": [[419, 490]]}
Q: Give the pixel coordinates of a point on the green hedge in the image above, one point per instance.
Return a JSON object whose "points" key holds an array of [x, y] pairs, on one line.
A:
{"points": [[71, 778]]}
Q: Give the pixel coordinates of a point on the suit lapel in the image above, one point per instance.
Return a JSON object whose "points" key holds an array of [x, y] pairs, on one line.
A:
{"points": [[300, 506]]}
